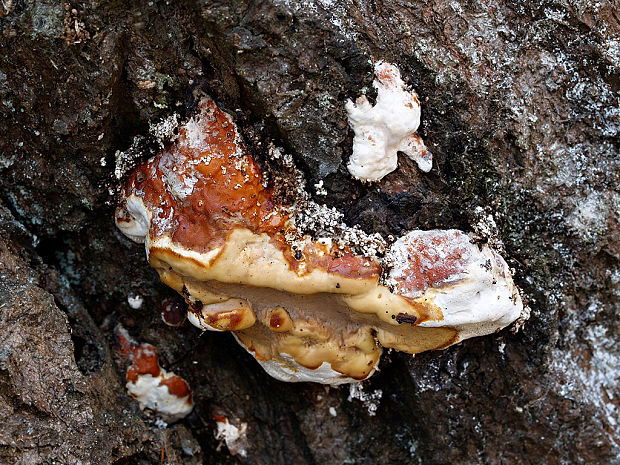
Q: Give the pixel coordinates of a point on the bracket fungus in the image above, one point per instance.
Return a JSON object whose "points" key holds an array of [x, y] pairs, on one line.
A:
{"points": [[308, 308], [386, 128]]}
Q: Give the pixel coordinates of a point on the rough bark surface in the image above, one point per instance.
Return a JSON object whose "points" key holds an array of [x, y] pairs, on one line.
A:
{"points": [[520, 109]]}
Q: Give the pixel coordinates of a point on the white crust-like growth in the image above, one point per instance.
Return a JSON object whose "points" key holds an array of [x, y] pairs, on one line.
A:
{"points": [[288, 370], [234, 437], [388, 127], [150, 393], [152, 386]]}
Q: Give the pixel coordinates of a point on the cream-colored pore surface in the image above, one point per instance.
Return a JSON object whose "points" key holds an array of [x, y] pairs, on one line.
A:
{"points": [[324, 328], [252, 259]]}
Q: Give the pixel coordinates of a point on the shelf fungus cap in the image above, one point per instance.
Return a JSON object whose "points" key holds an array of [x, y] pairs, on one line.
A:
{"points": [[307, 309], [386, 128], [153, 387]]}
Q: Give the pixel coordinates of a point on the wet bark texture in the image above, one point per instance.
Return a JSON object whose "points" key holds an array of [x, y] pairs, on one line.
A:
{"points": [[520, 109]]}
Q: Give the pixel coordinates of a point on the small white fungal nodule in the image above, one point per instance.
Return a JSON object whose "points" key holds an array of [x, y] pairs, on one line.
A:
{"points": [[388, 127]]}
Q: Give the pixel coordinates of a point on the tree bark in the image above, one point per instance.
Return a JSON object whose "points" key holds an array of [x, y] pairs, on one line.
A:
{"points": [[520, 110]]}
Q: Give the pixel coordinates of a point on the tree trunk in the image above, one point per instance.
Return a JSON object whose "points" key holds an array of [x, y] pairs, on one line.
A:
{"points": [[520, 110]]}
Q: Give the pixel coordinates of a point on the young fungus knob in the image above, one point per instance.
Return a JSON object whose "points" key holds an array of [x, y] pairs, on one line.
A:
{"points": [[153, 387], [388, 127]]}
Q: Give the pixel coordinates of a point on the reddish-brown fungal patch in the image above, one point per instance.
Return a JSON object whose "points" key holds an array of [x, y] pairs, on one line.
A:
{"points": [[174, 311], [280, 320], [204, 186], [217, 188], [177, 386], [145, 361], [433, 259], [276, 321], [344, 263], [226, 321]]}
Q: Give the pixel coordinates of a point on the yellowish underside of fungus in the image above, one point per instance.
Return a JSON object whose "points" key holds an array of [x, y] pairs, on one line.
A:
{"points": [[248, 287], [307, 309]]}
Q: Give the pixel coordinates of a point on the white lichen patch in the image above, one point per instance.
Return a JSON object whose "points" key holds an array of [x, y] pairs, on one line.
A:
{"points": [[335, 12], [369, 399], [486, 229], [589, 219], [126, 160], [590, 376], [165, 130], [320, 221], [388, 127]]}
